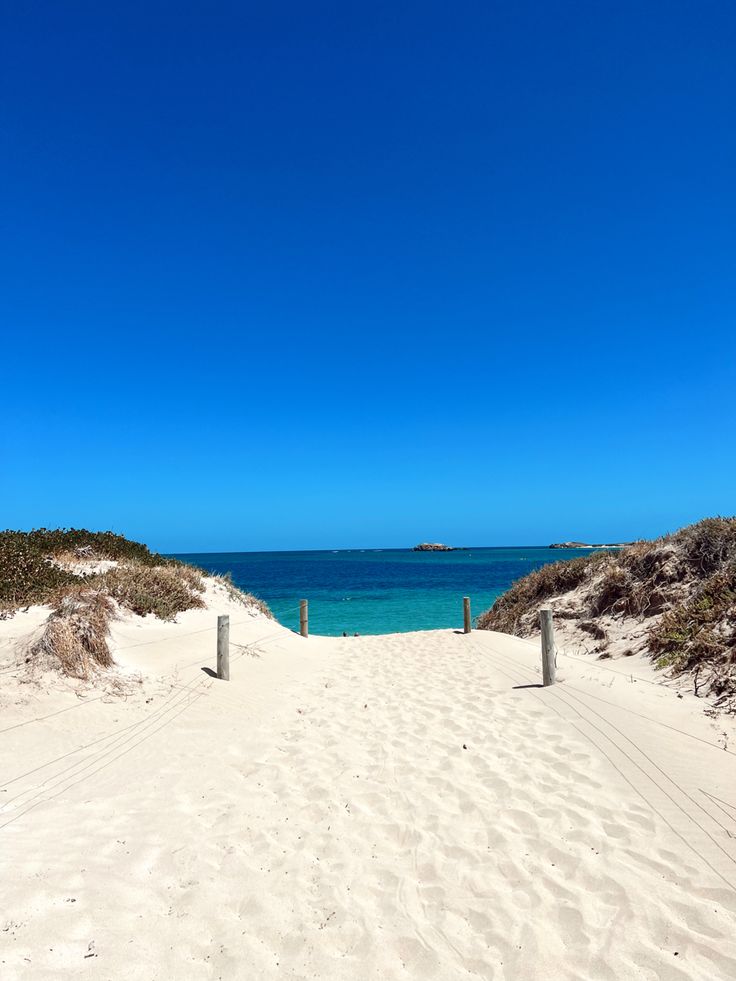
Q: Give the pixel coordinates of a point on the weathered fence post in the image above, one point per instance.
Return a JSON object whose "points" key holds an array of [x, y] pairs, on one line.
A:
{"points": [[549, 668], [303, 618], [223, 647], [466, 615]]}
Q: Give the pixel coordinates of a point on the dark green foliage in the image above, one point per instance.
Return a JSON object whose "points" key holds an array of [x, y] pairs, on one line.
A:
{"points": [[96, 544], [28, 576]]}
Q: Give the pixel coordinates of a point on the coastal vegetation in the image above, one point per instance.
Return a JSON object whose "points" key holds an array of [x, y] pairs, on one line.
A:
{"points": [[36, 565], [86, 579], [673, 599]]}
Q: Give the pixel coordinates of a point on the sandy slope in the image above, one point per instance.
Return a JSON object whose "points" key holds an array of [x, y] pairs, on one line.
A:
{"points": [[403, 806]]}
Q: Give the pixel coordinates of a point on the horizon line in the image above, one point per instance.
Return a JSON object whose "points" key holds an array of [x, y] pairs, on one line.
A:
{"points": [[383, 548]]}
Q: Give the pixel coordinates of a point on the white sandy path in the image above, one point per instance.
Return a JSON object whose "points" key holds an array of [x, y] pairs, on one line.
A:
{"points": [[381, 807]]}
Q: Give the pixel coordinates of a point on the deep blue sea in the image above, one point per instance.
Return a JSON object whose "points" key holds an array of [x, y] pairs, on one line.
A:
{"points": [[375, 591]]}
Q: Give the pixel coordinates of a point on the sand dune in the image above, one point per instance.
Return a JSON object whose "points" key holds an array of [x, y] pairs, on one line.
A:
{"points": [[405, 806]]}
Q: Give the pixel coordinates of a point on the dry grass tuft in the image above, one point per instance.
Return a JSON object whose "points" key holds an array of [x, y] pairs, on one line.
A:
{"points": [[614, 592], [594, 629], [238, 596], [161, 590], [702, 628], [709, 545], [75, 637]]}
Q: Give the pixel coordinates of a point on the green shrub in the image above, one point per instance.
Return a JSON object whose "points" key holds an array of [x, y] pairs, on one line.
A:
{"points": [[29, 575], [96, 544], [26, 574]]}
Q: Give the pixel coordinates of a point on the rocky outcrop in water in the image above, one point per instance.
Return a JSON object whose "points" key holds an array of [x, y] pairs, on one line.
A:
{"points": [[588, 545], [435, 547]]}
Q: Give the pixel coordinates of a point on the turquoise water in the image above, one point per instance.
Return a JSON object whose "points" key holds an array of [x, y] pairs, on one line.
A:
{"points": [[378, 591]]}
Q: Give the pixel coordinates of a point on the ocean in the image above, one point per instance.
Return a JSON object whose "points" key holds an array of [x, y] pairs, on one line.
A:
{"points": [[378, 591]]}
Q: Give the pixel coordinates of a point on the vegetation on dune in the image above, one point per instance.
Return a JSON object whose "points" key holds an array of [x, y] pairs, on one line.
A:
{"points": [[238, 596], [29, 574], [161, 590], [100, 544], [507, 613], [84, 577], [26, 574], [701, 629], [681, 588], [75, 638]]}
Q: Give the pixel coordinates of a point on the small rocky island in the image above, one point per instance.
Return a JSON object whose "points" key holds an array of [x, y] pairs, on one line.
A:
{"points": [[587, 545], [436, 547]]}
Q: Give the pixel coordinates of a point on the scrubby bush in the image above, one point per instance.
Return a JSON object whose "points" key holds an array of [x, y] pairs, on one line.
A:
{"points": [[702, 628], [683, 585], [594, 629], [649, 560], [161, 590], [709, 544], [29, 574], [26, 574], [57, 567], [551, 580], [613, 593], [75, 637], [93, 544]]}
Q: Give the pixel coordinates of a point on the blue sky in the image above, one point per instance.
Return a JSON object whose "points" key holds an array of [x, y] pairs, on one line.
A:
{"points": [[311, 275]]}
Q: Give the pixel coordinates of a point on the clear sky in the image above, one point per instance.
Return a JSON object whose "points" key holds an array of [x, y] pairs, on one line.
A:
{"points": [[295, 275]]}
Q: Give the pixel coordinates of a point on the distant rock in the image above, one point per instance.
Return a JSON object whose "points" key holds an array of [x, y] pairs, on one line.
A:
{"points": [[587, 545], [436, 547]]}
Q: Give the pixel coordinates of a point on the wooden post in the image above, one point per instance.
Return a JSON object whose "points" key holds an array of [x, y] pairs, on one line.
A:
{"points": [[223, 647], [466, 615], [303, 618], [549, 667]]}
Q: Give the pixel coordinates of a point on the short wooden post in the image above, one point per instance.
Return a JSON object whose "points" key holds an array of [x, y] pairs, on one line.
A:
{"points": [[466, 615], [303, 618], [549, 666], [223, 647]]}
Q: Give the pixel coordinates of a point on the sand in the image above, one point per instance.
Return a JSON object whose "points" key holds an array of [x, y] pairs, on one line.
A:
{"points": [[405, 806]]}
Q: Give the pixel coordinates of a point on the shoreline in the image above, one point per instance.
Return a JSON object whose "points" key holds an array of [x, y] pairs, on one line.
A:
{"points": [[372, 592]]}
